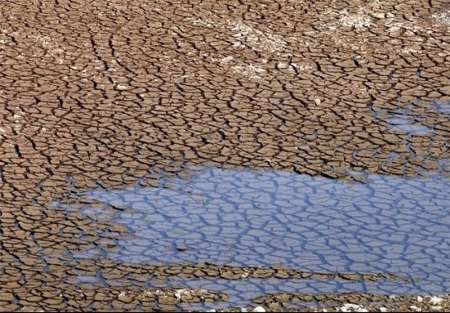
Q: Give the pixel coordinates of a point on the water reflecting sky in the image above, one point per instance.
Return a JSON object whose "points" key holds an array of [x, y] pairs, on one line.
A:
{"points": [[249, 217]]}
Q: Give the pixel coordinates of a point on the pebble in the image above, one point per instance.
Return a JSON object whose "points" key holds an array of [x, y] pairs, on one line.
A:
{"points": [[435, 300], [348, 307]]}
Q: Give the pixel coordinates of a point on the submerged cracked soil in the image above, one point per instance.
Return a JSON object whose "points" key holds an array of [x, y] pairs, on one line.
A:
{"points": [[110, 95]]}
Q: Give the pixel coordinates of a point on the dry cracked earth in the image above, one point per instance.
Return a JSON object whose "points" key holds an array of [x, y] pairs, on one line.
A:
{"points": [[226, 155]]}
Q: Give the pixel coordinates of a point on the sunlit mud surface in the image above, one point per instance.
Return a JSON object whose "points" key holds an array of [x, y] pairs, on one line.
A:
{"points": [[161, 155]]}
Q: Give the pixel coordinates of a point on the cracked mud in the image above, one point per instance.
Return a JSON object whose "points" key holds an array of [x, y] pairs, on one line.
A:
{"points": [[281, 154]]}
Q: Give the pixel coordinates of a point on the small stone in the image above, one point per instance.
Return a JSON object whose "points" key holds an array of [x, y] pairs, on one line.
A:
{"points": [[123, 297], [349, 307], [122, 87], [435, 300], [227, 59], [378, 15], [259, 309], [179, 293]]}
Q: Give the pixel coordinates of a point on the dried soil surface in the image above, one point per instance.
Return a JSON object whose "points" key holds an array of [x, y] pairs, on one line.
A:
{"points": [[109, 93]]}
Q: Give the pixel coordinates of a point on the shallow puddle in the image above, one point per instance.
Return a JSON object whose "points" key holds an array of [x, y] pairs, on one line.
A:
{"points": [[264, 218], [412, 119], [442, 107], [403, 123]]}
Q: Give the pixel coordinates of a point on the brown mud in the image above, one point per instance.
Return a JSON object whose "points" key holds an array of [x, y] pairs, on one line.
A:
{"points": [[104, 94]]}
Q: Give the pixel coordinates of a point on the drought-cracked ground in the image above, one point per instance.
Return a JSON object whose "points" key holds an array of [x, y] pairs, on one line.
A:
{"points": [[164, 155]]}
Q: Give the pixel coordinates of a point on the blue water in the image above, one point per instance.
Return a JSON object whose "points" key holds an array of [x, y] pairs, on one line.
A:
{"points": [[442, 107], [405, 124], [249, 217]]}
